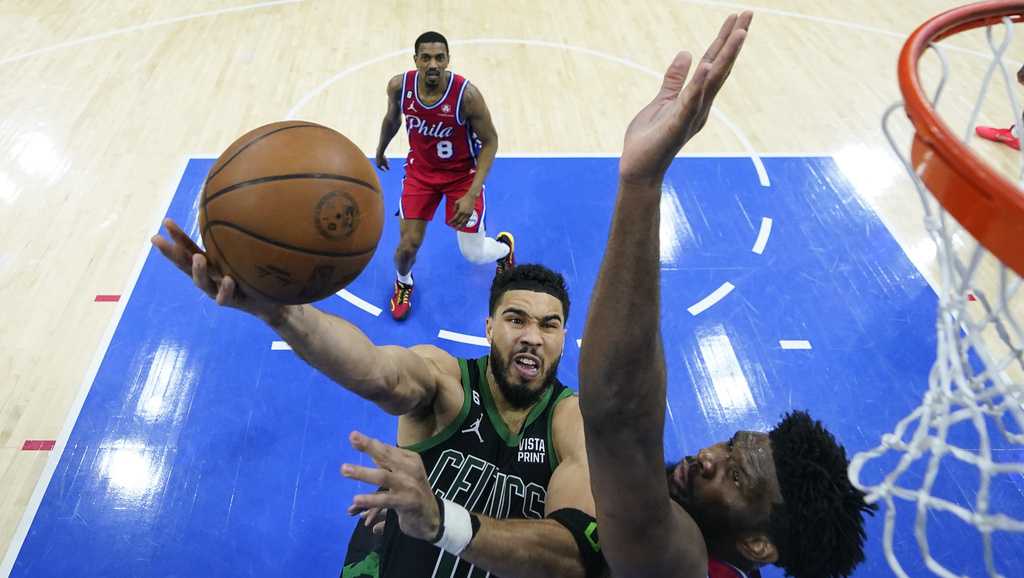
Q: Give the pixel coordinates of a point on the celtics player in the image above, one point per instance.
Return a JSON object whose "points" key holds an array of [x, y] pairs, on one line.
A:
{"points": [[779, 498], [493, 477]]}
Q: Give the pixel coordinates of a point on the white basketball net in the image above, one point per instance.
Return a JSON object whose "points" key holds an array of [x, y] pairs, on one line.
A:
{"points": [[977, 379]]}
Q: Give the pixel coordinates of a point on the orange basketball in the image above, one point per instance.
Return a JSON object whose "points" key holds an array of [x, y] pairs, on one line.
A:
{"points": [[292, 211]]}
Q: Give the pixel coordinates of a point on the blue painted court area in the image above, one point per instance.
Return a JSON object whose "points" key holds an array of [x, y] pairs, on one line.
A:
{"points": [[200, 451]]}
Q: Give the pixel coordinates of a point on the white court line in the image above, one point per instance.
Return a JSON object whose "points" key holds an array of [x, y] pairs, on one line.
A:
{"points": [[360, 303], [18, 539], [762, 235], [797, 15], [463, 338], [762, 173], [323, 86], [832, 21], [579, 343], [794, 344], [138, 27], [280, 346], [681, 155], [715, 296]]}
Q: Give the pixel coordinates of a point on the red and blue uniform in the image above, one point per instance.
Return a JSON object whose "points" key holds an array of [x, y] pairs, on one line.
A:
{"points": [[442, 152], [719, 569]]}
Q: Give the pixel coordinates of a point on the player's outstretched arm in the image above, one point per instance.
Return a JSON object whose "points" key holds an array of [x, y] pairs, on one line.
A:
{"points": [[398, 380], [531, 548], [622, 368], [392, 121]]}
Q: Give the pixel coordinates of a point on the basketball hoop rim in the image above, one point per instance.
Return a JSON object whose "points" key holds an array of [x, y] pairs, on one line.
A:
{"points": [[970, 180]]}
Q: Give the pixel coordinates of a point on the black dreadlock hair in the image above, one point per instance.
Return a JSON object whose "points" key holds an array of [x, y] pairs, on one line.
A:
{"points": [[819, 527], [531, 278]]}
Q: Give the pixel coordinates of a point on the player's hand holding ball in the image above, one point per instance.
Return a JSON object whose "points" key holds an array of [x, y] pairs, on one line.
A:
{"points": [[191, 260], [290, 213]]}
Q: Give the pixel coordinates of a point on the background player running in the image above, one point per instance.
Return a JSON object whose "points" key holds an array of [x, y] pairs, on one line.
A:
{"points": [[452, 144]]}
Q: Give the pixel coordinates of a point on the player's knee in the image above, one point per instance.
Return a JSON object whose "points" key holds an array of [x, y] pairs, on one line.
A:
{"points": [[405, 252], [411, 245], [471, 245]]}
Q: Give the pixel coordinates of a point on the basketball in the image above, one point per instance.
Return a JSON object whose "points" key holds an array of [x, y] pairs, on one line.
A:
{"points": [[292, 211]]}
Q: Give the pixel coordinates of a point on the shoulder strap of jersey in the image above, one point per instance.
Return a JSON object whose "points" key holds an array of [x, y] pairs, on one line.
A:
{"points": [[560, 392], [408, 88], [461, 85], [467, 383], [473, 366]]}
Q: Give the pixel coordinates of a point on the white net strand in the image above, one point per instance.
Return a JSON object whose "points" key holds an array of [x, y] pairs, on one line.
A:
{"points": [[978, 374], [997, 63]]}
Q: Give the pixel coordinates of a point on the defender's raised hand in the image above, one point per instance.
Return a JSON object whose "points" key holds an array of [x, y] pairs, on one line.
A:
{"points": [[680, 109]]}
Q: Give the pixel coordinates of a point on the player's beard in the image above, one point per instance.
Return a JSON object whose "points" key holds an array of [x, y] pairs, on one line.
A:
{"points": [[519, 395]]}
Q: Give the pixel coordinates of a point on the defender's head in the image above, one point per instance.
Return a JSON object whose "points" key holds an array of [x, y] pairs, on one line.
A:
{"points": [[779, 498]]}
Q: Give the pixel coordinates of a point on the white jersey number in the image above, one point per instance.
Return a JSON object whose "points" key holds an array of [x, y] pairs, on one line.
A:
{"points": [[445, 149]]}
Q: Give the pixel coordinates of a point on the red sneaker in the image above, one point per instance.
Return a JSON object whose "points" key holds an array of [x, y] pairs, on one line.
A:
{"points": [[508, 261], [1000, 135], [400, 304]]}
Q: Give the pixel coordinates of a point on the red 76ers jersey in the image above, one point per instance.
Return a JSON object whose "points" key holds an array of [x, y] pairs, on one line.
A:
{"points": [[440, 138]]}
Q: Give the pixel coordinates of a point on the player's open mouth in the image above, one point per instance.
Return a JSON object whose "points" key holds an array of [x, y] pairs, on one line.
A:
{"points": [[679, 475], [527, 365]]}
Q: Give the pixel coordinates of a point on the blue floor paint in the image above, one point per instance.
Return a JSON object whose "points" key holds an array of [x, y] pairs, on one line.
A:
{"points": [[202, 452]]}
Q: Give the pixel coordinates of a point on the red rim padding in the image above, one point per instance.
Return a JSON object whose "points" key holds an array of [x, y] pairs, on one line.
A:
{"points": [[985, 203]]}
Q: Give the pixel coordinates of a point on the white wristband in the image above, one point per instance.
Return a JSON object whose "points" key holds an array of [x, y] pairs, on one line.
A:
{"points": [[458, 529]]}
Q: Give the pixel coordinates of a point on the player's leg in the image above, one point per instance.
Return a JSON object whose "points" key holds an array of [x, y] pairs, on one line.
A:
{"points": [[411, 234], [480, 249], [474, 244], [416, 208]]}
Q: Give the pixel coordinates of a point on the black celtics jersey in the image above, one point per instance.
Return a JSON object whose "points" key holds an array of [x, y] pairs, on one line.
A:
{"points": [[477, 463]]}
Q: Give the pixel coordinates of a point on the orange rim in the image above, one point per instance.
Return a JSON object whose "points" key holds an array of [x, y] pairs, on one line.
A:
{"points": [[984, 202]]}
